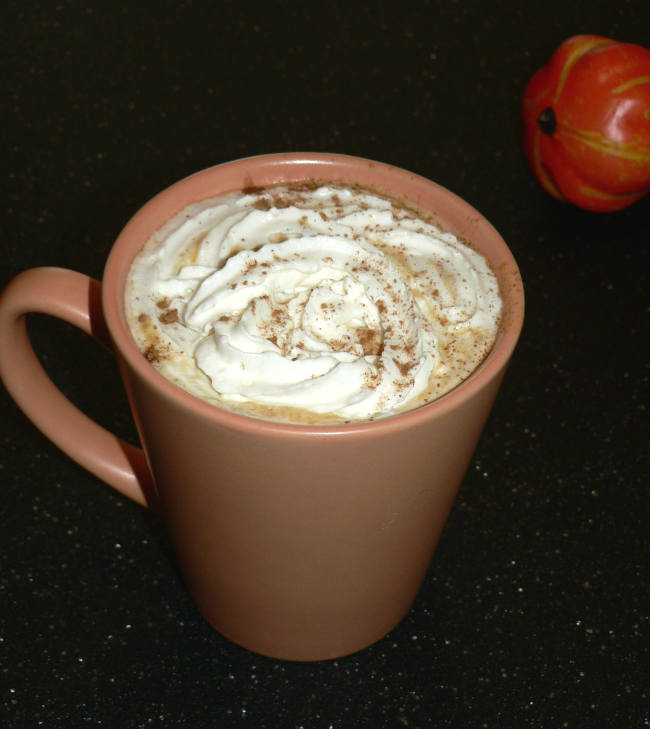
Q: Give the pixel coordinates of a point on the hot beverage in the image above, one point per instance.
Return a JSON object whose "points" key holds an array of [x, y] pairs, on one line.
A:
{"points": [[312, 303]]}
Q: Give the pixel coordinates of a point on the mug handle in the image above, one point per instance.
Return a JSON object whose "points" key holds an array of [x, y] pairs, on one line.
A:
{"points": [[76, 299]]}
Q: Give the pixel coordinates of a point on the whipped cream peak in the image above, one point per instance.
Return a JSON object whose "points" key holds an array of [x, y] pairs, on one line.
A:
{"points": [[322, 299]]}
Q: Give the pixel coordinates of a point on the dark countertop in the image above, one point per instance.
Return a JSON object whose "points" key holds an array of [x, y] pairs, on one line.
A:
{"points": [[535, 609]]}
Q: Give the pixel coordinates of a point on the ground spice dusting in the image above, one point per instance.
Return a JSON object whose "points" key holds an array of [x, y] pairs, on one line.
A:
{"points": [[403, 367], [152, 354], [281, 201], [252, 189], [250, 266], [370, 341], [169, 317]]}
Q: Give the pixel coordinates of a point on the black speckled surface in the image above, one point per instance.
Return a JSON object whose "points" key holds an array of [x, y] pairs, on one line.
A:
{"points": [[535, 609]]}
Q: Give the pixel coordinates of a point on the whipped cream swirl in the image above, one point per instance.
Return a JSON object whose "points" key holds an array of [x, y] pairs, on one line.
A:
{"points": [[325, 298]]}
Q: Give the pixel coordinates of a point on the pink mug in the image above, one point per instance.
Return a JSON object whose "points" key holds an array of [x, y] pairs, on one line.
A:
{"points": [[297, 542]]}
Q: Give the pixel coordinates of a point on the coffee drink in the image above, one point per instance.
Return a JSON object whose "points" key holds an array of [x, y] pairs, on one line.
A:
{"points": [[312, 303]]}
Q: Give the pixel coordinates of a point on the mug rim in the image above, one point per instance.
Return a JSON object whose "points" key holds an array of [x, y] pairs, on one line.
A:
{"points": [[275, 168]]}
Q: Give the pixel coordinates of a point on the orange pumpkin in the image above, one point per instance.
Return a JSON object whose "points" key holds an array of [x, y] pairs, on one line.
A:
{"points": [[587, 123]]}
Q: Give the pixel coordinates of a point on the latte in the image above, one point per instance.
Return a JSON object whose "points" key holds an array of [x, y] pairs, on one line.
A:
{"points": [[311, 303]]}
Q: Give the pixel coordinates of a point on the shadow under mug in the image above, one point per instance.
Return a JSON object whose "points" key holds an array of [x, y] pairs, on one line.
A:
{"points": [[296, 542]]}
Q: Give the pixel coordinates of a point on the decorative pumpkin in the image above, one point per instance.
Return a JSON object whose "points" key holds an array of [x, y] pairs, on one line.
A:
{"points": [[587, 123]]}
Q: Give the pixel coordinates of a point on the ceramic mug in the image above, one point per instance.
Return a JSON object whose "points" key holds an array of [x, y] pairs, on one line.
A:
{"points": [[296, 542]]}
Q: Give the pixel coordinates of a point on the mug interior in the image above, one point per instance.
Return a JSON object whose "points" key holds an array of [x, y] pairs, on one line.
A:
{"points": [[449, 211]]}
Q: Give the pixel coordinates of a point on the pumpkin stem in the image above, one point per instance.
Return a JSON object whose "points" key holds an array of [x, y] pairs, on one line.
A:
{"points": [[547, 122]]}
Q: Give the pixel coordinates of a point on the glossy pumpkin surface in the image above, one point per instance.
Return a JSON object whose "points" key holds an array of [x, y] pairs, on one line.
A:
{"points": [[586, 121]]}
